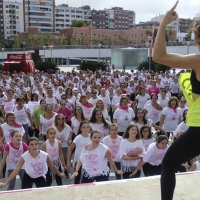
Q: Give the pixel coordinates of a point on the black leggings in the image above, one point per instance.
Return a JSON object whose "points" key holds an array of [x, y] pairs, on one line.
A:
{"points": [[27, 181], [49, 177], [184, 148]]}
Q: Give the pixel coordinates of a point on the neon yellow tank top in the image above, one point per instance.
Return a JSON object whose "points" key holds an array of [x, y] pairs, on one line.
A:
{"points": [[193, 115]]}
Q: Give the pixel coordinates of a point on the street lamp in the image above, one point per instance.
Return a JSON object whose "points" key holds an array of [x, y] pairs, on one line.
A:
{"points": [[44, 52], [51, 47], [147, 44], [2, 54], [188, 46], [24, 43]]}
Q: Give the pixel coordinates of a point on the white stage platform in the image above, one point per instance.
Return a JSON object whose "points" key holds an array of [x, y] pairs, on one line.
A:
{"points": [[187, 188]]}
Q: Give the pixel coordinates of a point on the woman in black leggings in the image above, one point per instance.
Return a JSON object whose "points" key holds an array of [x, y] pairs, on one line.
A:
{"points": [[187, 145]]}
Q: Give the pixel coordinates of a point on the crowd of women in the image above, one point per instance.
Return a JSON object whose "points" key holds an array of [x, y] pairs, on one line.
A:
{"points": [[101, 120]]}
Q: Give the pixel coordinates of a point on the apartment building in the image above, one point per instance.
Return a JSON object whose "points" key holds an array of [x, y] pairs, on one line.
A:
{"points": [[39, 14], [120, 19], [64, 15], [1, 21], [13, 19], [100, 19]]}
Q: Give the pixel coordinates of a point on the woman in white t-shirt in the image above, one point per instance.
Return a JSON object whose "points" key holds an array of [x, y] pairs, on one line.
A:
{"points": [[94, 158], [141, 98], [141, 120], [82, 138], [113, 141], [163, 100], [98, 123], [76, 120], [146, 136], [153, 109], [153, 157], [46, 120], [100, 105], [50, 99], [131, 150], [35, 164], [9, 103], [63, 133], [123, 115], [170, 117], [33, 103]]}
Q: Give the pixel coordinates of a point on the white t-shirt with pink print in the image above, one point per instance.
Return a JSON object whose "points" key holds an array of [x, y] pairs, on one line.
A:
{"points": [[153, 155], [80, 142], [86, 111], [35, 167], [14, 157], [8, 105], [75, 125], [95, 162], [99, 127], [114, 146], [64, 135], [129, 147]]}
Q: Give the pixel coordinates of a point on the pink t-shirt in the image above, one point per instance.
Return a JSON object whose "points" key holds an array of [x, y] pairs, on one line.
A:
{"points": [[155, 90], [25, 147], [67, 113]]}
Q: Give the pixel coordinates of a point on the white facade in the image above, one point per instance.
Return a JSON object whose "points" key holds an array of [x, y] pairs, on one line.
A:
{"points": [[13, 19], [64, 16], [159, 19], [39, 14]]}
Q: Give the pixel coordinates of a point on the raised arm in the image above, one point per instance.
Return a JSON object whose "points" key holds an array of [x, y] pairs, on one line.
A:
{"points": [[160, 54]]}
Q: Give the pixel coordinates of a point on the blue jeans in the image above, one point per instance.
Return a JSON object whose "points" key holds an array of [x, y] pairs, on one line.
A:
{"points": [[96, 178]]}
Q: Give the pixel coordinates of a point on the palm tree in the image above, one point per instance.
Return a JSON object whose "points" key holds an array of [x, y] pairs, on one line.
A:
{"points": [[170, 31]]}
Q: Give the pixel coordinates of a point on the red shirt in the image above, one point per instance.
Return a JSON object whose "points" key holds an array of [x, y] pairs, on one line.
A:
{"points": [[25, 147], [67, 113]]}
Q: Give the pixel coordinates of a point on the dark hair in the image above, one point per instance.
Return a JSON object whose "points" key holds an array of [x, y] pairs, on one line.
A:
{"points": [[32, 139], [93, 118], [70, 90], [32, 95], [13, 133], [153, 94], [126, 133], [18, 99], [56, 120], [145, 120], [82, 115], [160, 138], [81, 124], [184, 117], [140, 90], [149, 129], [42, 101], [93, 132]]}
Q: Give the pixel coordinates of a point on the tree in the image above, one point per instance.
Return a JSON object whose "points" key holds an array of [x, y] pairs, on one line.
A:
{"points": [[148, 31], [189, 31], [77, 23], [62, 40], [16, 42], [170, 31]]}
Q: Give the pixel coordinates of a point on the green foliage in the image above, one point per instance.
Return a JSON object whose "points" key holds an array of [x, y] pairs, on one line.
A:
{"points": [[156, 67], [45, 39], [16, 42], [43, 66], [1, 67], [93, 66], [77, 23], [78, 39]]}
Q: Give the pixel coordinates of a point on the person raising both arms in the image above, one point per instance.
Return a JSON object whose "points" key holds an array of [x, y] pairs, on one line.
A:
{"points": [[187, 146]]}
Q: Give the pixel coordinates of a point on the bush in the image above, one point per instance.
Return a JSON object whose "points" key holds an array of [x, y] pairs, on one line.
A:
{"points": [[44, 66], [156, 67], [93, 66], [1, 67]]}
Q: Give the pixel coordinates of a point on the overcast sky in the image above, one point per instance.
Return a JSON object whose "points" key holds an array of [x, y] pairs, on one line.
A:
{"points": [[144, 9]]}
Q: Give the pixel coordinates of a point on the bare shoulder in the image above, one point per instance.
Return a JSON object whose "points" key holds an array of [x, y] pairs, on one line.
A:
{"points": [[86, 146]]}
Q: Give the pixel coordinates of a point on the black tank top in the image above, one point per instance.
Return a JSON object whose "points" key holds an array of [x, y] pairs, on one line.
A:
{"points": [[195, 83]]}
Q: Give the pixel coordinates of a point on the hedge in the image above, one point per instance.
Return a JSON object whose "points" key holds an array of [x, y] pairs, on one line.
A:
{"points": [[44, 66], [93, 66]]}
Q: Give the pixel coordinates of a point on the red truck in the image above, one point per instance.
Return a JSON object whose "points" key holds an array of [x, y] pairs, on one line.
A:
{"points": [[19, 63]]}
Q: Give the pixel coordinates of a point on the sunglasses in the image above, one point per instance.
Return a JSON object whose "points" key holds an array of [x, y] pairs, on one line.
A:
{"points": [[61, 119], [62, 104], [49, 108], [173, 101], [93, 93], [182, 101], [78, 109]]}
